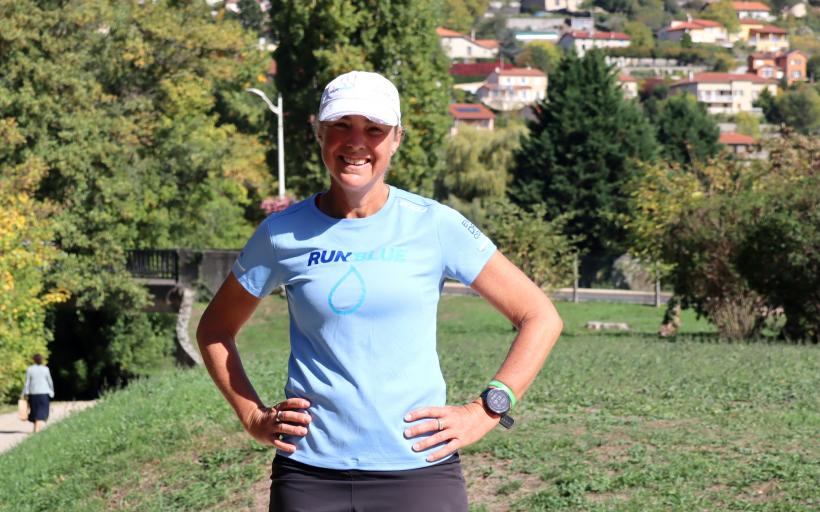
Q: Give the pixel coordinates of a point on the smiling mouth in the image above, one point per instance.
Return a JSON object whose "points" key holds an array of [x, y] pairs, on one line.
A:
{"points": [[355, 161]]}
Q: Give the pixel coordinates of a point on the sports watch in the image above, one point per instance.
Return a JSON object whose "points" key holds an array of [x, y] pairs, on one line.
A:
{"points": [[499, 399]]}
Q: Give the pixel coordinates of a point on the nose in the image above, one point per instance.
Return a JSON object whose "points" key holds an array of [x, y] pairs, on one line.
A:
{"points": [[355, 138]]}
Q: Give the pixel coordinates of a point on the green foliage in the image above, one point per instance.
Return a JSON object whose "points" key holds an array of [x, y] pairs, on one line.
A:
{"points": [[138, 128], [540, 55], [640, 33], [747, 124], [799, 108], [722, 12], [479, 161], [250, 15], [686, 132], [780, 253], [709, 224], [581, 151], [462, 15], [26, 254], [321, 39], [537, 246]]}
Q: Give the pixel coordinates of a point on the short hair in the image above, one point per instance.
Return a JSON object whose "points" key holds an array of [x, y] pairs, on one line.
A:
{"points": [[38, 359]]}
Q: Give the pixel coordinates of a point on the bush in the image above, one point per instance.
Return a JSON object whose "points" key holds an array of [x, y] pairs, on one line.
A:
{"points": [[780, 256], [536, 245]]}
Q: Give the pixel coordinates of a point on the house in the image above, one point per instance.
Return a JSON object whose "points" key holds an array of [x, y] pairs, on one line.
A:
{"points": [[739, 144], [769, 38], [791, 65], [726, 93], [700, 32], [581, 20], [746, 26], [550, 36], [471, 114], [509, 89], [582, 41], [629, 85], [550, 5], [752, 10], [458, 46]]}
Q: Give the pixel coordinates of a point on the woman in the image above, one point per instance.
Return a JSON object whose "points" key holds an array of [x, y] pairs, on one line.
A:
{"points": [[39, 390], [365, 425]]}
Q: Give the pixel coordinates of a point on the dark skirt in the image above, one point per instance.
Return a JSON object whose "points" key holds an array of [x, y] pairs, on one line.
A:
{"points": [[38, 407]]}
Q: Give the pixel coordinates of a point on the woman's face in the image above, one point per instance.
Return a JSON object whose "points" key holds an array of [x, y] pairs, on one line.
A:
{"points": [[357, 151]]}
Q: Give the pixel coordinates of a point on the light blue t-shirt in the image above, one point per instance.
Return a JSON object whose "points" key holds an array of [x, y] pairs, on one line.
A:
{"points": [[363, 295]]}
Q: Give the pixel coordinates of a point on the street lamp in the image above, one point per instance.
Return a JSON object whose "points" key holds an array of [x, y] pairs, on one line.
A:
{"points": [[280, 134]]}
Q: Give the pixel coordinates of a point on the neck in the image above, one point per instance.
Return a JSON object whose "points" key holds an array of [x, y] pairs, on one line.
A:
{"points": [[342, 204]]}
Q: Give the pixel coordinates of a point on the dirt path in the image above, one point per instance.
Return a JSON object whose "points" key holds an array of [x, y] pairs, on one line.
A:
{"points": [[12, 430]]}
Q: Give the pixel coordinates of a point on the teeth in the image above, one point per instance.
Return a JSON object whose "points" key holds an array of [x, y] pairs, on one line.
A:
{"points": [[354, 161]]}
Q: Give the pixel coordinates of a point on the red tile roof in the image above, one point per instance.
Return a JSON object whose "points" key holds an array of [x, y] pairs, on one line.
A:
{"points": [[768, 29], [750, 6], [446, 32], [582, 34], [627, 78], [749, 21], [470, 111], [488, 43], [736, 139], [475, 69]]}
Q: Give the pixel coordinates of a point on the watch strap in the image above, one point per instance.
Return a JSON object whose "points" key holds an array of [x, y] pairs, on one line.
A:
{"points": [[503, 387], [507, 421]]}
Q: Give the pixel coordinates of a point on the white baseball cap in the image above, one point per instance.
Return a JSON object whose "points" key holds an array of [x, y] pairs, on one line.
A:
{"points": [[361, 93]]}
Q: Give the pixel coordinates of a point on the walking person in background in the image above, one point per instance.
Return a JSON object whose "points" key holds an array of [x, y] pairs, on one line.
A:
{"points": [[365, 425], [39, 390]]}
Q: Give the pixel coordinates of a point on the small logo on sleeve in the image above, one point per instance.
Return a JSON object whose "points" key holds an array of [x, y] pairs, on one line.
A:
{"points": [[471, 229]]}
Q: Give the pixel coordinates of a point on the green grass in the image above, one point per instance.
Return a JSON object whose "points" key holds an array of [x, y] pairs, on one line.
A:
{"points": [[613, 422]]}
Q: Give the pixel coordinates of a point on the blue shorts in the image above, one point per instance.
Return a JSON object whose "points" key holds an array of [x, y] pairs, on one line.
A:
{"points": [[298, 487]]}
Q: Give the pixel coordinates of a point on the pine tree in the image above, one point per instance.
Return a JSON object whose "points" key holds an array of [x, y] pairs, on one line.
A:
{"points": [[581, 151], [321, 39], [686, 132]]}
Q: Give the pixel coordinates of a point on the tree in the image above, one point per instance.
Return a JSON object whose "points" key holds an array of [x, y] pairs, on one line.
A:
{"points": [[134, 130], [540, 55], [747, 124], [478, 162], [462, 15], [641, 34], [321, 39], [722, 12], [799, 108], [686, 132], [250, 15], [579, 153]]}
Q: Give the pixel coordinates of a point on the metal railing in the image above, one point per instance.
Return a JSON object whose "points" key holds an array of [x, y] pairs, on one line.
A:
{"points": [[154, 264]]}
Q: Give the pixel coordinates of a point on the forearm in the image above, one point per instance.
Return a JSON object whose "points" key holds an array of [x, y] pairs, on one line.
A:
{"points": [[222, 360], [528, 352]]}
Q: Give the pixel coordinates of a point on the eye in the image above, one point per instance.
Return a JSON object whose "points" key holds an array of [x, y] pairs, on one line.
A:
{"points": [[340, 125], [375, 130]]}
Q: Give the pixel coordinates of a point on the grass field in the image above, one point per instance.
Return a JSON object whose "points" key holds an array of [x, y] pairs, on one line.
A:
{"points": [[614, 422]]}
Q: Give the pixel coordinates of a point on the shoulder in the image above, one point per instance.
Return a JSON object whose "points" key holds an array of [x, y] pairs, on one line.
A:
{"points": [[296, 213], [411, 202]]}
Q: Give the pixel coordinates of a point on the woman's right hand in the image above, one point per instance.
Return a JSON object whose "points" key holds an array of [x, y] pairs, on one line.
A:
{"points": [[269, 424]]}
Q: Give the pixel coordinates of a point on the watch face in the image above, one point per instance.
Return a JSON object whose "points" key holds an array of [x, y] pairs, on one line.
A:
{"points": [[497, 401]]}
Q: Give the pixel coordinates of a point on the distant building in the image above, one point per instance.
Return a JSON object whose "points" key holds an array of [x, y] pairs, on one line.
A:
{"points": [[550, 5], [726, 93], [791, 65], [700, 32], [583, 41], [513, 88], [629, 85], [746, 26], [752, 10], [740, 144], [580, 20], [769, 38], [458, 46], [550, 36], [471, 114]]}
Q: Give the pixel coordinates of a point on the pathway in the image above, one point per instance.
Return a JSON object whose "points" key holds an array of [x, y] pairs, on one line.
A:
{"points": [[12, 430]]}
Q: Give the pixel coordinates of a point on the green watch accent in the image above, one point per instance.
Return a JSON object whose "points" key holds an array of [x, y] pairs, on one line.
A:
{"points": [[500, 385]]}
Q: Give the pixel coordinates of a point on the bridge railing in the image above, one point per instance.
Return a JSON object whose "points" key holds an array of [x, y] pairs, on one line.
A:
{"points": [[154, 264]]}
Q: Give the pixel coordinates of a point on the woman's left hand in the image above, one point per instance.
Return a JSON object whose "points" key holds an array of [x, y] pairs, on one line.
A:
{"points": [[458, 426]]}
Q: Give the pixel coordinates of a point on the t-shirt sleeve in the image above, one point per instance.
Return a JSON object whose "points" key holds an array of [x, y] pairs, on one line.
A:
{"points": [[257, 268], [465, 249]]}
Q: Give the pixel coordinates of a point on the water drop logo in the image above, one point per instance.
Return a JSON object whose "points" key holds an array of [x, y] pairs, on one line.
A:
{"points": [[347, 295]]}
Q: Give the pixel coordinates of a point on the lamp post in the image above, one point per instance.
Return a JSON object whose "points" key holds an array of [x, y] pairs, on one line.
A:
{"points": [[280, 134]]}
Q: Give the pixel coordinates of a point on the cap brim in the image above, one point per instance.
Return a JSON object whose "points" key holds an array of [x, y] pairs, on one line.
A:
{"points": [[341, 107]]}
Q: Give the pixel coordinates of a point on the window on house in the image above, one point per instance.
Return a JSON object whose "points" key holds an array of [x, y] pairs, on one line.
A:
{"points": [[767, 72], [796, 74]]}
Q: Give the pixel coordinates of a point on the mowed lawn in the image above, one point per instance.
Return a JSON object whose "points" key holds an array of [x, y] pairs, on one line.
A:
{"points": [[622, 421]]}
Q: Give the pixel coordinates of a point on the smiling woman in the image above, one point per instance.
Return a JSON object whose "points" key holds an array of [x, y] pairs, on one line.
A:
{"points": [[365, 423]]}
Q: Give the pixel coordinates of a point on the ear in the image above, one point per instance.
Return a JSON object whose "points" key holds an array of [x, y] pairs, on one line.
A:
{"points": [[394, 146]]}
